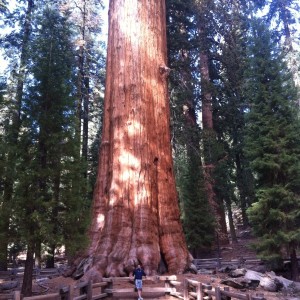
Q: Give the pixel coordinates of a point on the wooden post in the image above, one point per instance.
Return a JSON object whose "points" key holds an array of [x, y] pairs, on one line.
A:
{"points": [[226, 288], [17, 295], [218, 293], [185, 289], [208, 288], [110, 284], [65, 293], [71, 292], [89, 291], [199, 291], [85, 288], [167, 283]]}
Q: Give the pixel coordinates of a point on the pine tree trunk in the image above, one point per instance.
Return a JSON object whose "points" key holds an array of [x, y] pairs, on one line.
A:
{"points": [[37, 254], [28, 271], [135, 214], [209, 138], [230, 221], [241, 186], [294, 266], [83, 85], [50, 263]]}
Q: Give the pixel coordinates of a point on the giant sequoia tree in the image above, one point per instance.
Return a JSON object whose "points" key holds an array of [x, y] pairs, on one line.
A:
{"points": [[135, 215]]}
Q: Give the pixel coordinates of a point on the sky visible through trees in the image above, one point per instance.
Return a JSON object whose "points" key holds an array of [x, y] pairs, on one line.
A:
{"points": [[233, 64]]}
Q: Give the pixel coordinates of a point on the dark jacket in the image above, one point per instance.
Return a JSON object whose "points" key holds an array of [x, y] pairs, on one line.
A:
{"points": [[138, 273]]}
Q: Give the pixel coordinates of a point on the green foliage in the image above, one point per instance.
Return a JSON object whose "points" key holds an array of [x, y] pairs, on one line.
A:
{"points": [[45, 197], [198, 222], [50, 186], [273, 146], [183, 46], [253, 104]]}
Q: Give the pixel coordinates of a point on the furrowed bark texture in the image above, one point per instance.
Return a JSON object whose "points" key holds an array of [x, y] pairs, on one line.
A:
{"points": [[135, 211], [209, 163]]}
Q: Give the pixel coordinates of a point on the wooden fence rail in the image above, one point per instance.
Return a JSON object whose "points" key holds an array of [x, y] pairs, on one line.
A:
{"points": [[192, 289], [213, 263], [200, 291], [37, 273]]}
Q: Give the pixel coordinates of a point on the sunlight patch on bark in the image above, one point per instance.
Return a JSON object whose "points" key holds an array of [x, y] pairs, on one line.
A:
{"points": [[128, 162], [140, 197], [100, 220], [133, 127]]}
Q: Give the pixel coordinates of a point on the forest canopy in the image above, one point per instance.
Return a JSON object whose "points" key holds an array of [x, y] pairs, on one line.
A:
{"points": [[232, 71]]}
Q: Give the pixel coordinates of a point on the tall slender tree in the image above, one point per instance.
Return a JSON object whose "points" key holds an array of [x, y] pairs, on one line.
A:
{"points": [[230, 104], [12, 133], [48, 205], [273, 147], [86, 18], [205, 30], [183, 52], [283, 14]]}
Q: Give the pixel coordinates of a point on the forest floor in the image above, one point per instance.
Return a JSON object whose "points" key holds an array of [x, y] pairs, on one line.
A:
{"points": [[230, 252]]}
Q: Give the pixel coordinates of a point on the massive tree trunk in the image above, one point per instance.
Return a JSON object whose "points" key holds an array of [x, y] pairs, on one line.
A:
{"points": [[135, 215]]}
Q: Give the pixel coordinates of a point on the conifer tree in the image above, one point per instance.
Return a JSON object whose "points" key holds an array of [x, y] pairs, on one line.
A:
{"points": [[282, 14], [86, 19], [273, 146], [230, 104], [49, 206], [206, 31], [183, 55], [12, 128]]}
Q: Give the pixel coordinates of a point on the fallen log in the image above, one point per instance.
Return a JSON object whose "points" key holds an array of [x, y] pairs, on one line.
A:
{"points": [[272, 283], [8, 285]]}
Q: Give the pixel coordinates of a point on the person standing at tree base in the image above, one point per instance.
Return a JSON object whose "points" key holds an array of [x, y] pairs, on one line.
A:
{"points": [[138, 274]]}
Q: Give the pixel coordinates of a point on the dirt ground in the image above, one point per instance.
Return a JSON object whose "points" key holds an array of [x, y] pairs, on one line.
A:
{"points": [[232, 251], [53, 285]]}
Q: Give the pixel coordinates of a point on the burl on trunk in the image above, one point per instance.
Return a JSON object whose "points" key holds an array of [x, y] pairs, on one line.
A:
{"points": [[135, 215]]}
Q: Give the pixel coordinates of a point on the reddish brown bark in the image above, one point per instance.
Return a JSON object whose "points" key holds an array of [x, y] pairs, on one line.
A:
{"points": [[209, 138], [135, 215]]}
